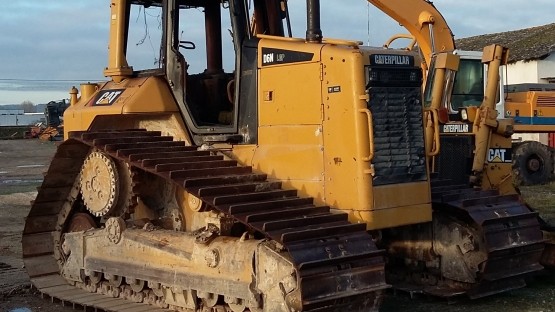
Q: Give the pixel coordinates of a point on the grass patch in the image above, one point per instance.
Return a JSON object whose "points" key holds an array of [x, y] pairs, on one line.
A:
{"points": [[542, 199]]}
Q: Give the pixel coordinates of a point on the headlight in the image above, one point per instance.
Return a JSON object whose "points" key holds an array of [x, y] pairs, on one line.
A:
{"points": [[464, 114]]}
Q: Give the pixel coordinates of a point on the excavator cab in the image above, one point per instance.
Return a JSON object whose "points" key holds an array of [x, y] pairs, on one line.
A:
{"points": [[467, 86]]}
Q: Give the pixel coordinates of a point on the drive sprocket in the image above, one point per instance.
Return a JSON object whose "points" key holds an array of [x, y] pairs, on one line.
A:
{"points": [[106, 185]]}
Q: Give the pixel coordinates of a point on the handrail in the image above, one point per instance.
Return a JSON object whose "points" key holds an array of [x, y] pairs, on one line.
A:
{"points": [[409, 47], [368, 114], [436, 142]]}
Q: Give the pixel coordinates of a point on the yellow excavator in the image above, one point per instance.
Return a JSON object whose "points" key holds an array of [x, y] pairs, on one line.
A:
{"points": [[467, 106], [529, 105], [281, 185]]}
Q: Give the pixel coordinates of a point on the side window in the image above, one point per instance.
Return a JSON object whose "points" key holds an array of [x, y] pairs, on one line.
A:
{"points": [[144, 37]]}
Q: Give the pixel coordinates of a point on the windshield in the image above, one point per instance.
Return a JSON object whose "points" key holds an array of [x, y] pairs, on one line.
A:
{"points": [[468, 89]]}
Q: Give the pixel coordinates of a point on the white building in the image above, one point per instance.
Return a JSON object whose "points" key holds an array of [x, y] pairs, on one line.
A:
{"points": [[16, 117], [532, 71]]}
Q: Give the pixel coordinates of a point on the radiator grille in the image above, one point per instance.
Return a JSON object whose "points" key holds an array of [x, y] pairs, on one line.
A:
{"points": [[455, 158], [399, 153]]}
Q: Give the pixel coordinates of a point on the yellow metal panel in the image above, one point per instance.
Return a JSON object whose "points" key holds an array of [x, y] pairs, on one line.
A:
{"points": [[243, 154], [447, 60], [397, 195], [170, 124], [151, 95], [497, 173], [316, 138], [314, 189], [290, 44], [292, 101], [139, 95], [518, 128], [348, 149], [393, 217], [290, 152], [346, 130]]}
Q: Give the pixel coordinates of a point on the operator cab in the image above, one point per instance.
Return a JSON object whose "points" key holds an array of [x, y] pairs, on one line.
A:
{"points": [[207, 50], [468, 86], [204, 79]]}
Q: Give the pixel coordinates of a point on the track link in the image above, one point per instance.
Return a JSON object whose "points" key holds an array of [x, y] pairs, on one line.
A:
{"points": [[338, 266], [508, 229]]}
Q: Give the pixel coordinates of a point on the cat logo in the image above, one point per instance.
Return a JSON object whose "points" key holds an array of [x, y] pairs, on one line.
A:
{"points": [[107, 97], [500, 155]]}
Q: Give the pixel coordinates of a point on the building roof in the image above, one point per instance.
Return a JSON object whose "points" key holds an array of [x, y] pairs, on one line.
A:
{"points": [[524, 45]]}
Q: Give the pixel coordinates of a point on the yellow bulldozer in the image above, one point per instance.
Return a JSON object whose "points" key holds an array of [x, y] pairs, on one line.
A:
{"points": [[298, 181]]}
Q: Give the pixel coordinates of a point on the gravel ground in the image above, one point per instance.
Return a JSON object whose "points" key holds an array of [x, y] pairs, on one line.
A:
{"points": [[23, 161]]}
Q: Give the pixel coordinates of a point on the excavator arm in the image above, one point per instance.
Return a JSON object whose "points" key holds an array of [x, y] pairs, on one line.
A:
{"points": [[423, 21]]}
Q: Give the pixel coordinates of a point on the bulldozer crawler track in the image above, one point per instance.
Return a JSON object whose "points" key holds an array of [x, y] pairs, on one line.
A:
{"points": [[338, 266], [511, 233]]}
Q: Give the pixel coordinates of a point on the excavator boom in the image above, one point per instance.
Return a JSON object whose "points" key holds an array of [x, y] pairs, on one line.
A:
{"points": [[424, 22]]}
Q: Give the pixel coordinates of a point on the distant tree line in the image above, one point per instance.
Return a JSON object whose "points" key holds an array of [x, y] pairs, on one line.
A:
{"points": [[28, 107]]}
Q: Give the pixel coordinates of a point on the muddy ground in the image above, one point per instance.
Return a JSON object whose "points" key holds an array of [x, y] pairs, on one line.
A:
{"points": [[22, 163]]}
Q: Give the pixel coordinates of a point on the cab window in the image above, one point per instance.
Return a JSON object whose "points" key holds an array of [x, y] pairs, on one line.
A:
{"points": [[468, 89]]}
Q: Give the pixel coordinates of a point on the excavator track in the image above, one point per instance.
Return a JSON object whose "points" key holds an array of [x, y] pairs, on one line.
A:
{"points": [[502, 232], [338, 267]]}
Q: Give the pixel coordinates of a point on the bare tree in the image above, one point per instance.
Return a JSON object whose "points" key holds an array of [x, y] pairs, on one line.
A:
{"points": [[28, 107]]}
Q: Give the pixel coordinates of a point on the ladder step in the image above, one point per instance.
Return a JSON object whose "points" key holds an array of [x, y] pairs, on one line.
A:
{"points": [[322, 232], [180, 151], [256, 196], [209, 172], [285, 213], [195, 165], [151, 151], [117, 134], [492, 200], [237, 188], [266, 205], [119, 146], [152, 162], [297, 222], [102, 142], [219, 180]]}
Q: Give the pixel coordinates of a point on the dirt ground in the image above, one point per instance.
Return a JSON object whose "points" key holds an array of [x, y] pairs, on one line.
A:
{"points": [[22, 163]]}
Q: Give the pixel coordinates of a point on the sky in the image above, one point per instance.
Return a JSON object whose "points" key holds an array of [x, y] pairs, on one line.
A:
{"points": [[46, 47]]}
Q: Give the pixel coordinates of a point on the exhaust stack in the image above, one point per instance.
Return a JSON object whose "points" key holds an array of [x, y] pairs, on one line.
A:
{"points": [[313, 30]]}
